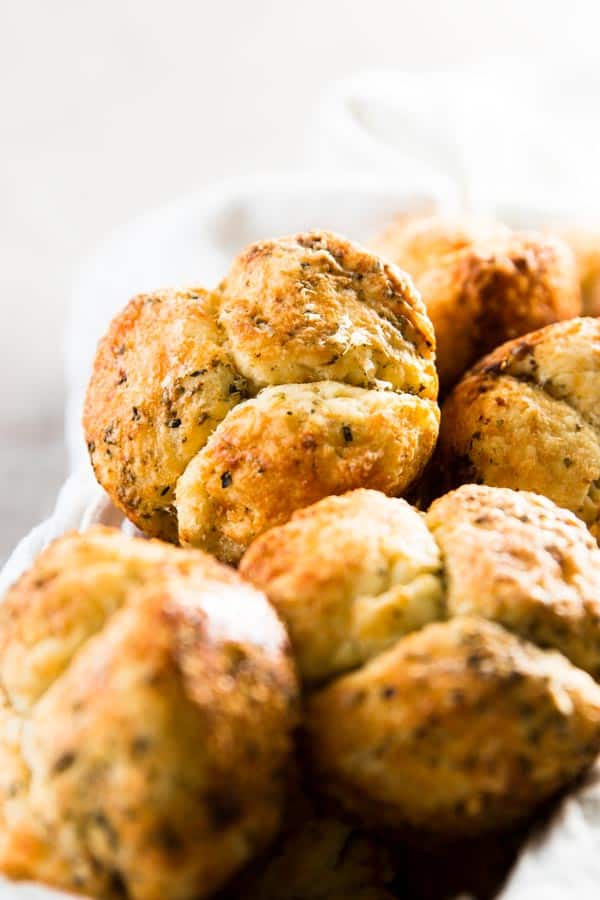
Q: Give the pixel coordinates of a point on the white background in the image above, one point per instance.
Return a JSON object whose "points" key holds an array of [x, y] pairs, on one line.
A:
{"points": [[111, 108]]}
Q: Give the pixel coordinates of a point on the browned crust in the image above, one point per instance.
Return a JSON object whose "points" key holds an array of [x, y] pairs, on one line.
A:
{"points": [[295, 305], [147, 707], [517, 558], [293, 445], [527, 417], [174, 365], [585, 244], [483, 285], [458, 728], [162, 381]]}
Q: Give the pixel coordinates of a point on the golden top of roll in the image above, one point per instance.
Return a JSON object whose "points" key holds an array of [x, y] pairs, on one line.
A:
{"points": [[310, 371], [457, 728], [148, 702], [418, 244], [584, 241], [517, 558], [389, 611], [349, 576], [527, 417], [482, 284], [317, 307]]}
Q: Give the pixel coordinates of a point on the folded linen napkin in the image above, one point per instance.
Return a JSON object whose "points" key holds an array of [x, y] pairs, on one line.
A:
{"points": [[518, 139]]}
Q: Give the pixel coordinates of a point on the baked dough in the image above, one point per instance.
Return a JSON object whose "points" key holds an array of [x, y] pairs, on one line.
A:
{"points": [[293, 445], [517, 558], [482, 284], [311, 370], [460, 727], [409, 632], [348, 576], [147, 705], [527, 417]]}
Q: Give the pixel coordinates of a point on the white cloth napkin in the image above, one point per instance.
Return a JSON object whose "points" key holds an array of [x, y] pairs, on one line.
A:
{"points": [[505, 140], [518, 139], [562, 860]]}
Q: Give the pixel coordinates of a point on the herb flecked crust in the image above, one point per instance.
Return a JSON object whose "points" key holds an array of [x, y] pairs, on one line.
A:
{"points": [[148, 700], [482, 284], [527, 417], [436, 700], [310, 371]]}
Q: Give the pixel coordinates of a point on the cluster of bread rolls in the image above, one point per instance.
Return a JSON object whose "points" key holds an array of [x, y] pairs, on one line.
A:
{"points": [[430, 703], [447, 662], [310, 371]]}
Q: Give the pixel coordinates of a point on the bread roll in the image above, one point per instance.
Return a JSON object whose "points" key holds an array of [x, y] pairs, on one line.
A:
{"points": [[455, 726], [482, 284], [458, 728], [147, 707], [349, 576], [212, 416], [585, 244], [517, 558], [527, 417]]}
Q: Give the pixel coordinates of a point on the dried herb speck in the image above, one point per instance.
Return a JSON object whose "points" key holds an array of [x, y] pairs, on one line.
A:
{"points": [[63, 763], [347, 432], [140, 746], [169, 840], [226, 479]]}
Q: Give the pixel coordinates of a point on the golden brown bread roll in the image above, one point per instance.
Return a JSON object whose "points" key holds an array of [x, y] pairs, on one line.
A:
{"points": [[585, 244], [519, 559], [527, 416], [291, 446], [358, 580], [482, 284], [459, 727], [318, 307], [147, 706], [349, 576], [210, 417], [162, 382], [421, 242]]}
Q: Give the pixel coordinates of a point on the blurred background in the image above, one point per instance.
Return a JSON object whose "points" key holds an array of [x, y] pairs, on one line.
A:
{"points": [[111, 109]]}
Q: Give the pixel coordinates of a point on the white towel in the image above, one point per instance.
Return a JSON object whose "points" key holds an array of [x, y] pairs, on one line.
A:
{"points": [[519, 140]]}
